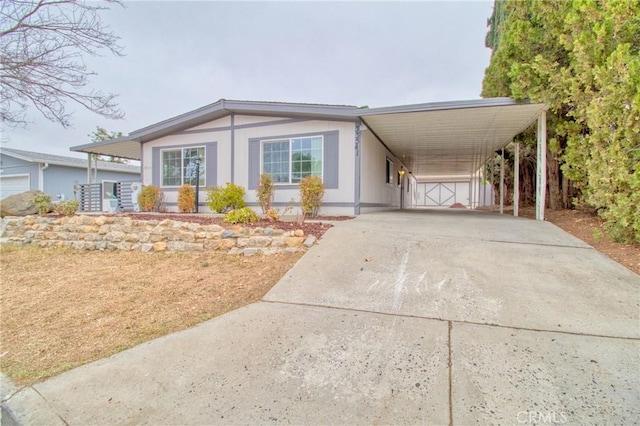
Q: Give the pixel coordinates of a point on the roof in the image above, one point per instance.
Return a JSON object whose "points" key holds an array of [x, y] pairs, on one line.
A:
{"points": [[450, 138], [129, 146], [59, 160], [439, 138]]}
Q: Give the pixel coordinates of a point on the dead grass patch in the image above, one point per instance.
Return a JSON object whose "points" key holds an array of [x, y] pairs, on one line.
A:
{"points": [[62, 308]]}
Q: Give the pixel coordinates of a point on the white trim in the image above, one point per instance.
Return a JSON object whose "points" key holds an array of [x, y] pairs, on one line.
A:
{"points": [[41, 168], [17, 175], [290, 140], [516, 180], [181, 149], [541, 166]]}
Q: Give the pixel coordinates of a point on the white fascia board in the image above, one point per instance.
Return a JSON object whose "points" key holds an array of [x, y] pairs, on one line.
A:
{"points": [[436, 106]]}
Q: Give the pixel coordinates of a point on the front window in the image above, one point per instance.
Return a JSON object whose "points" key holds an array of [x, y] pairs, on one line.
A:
{"points": [[179, 166], [291, 160]]}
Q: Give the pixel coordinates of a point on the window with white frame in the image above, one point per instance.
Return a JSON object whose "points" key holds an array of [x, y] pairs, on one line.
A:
{"points": [[288, 161], [180, 166]]}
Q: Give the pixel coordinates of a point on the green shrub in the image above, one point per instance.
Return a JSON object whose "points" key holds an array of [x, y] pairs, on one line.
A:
{"points": [[224, 199], [150, 198], [43, 203], [242, 215], [264, 193], [186, 198], [311, 193], [66, 208]]}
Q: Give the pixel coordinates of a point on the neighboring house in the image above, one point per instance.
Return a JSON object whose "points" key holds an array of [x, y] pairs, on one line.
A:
{"points": [[368, 159], [55, 175]]}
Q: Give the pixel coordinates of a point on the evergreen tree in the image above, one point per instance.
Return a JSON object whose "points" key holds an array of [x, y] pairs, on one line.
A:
{"points": [[581, 58]]}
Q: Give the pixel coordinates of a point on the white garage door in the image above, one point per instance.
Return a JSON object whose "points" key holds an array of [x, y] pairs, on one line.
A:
{"points": [[435, 194], [11, 185]]}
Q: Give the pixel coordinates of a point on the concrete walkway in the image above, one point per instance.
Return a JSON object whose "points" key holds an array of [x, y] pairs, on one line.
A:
{"points": [[432, 317]]}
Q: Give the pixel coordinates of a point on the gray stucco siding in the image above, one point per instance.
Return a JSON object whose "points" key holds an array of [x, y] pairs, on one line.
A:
{"points": [[330, 163], [211, 163]]}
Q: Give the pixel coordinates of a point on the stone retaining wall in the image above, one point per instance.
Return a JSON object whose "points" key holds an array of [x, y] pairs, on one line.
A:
{"points": [[83, 232]]}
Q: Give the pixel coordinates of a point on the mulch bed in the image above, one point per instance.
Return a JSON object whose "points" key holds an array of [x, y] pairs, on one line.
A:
{"points": [[316, 226]]}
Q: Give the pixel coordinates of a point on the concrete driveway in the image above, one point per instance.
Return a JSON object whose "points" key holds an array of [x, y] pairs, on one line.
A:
{"points": [[432, 317]]}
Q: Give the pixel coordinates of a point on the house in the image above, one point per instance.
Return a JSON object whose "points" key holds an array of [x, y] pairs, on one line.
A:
{"points": [[368, 158], [59, 176]]}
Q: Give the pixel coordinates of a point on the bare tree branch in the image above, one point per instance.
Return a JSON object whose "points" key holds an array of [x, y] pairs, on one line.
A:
{"points": [[43, 44]]}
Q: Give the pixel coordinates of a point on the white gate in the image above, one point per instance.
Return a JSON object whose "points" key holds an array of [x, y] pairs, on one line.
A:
{"points": [[443, 194]]}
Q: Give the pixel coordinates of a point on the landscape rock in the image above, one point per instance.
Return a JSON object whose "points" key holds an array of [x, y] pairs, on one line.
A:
{"points": [[23, 204], [228, 234], [310, 241], [248, 252], [160, 246], [88, 232], [293, 242]]}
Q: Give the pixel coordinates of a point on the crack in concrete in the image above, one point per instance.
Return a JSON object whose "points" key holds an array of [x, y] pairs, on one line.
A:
{"points": [[486, 324]]}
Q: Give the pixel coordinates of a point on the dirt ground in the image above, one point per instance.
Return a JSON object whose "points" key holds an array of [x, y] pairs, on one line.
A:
{"points": [[63, 308], [589, 228]]}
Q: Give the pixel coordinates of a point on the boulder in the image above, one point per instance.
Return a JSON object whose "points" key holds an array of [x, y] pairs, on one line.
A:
{"points": [[20, 204]]}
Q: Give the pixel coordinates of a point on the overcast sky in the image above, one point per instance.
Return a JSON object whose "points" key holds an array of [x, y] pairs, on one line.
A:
{"points": [[183, 55]]}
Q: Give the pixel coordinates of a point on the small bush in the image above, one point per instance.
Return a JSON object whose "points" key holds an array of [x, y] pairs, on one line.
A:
{"points": [[264, 193], [224, 199], [43, 203], [66, 208], [186, 198], [311, 193], [242, 215], [150, 198], [273, 214]]}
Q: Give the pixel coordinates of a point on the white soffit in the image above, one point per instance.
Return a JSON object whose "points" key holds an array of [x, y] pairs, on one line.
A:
{"points": [[123, 148], [454, 141]]}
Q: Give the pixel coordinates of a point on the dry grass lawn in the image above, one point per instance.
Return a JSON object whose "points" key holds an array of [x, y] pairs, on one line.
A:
{"points": [[63, 308]]}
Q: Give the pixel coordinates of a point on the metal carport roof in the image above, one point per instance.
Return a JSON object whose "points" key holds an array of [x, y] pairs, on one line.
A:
{"points": [[450, 138]]}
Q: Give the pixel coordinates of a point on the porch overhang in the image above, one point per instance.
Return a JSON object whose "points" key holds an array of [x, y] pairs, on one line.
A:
{"points": [[124, 147]]}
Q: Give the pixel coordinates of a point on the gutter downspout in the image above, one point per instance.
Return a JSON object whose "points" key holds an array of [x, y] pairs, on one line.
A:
{"points": [[41, 169]]}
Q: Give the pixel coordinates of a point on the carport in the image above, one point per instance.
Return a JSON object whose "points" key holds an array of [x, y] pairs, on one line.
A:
{"points": [[455, 139]]}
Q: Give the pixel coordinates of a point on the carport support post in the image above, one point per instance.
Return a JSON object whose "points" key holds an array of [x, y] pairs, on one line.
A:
{"points": [[482, 185], [516, 180], [541, 160], [502, 181]]}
